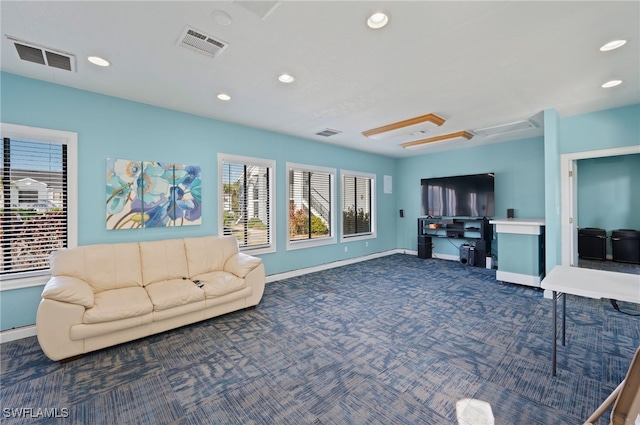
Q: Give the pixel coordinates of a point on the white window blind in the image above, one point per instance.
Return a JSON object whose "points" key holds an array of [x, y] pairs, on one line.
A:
{"points": [[34, 206], [310, 204], [356, 205], [246, 204]]}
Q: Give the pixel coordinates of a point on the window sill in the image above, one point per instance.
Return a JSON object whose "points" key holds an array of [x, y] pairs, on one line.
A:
{"points": [[9, 284], [258, 251], [310, 243], [358, 237]]}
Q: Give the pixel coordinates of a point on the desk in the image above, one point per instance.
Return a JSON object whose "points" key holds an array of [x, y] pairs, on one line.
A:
{"points": [[587, 283]]}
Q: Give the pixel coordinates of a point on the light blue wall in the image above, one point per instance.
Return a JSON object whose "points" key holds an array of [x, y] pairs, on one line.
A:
{"points": [[519, 183], [612, 128], [109, 127], [609, 193]]}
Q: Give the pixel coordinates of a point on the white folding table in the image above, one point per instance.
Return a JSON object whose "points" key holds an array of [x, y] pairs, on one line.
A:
{"points": [[589, 283]]}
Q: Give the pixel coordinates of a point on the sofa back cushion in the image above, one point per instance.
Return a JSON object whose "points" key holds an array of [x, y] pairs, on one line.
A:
{"points": [[209, 253], [104, 267], [163, 260]]}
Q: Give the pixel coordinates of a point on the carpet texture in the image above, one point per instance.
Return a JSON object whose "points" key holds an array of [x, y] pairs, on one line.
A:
{"points": [[395, 340]]}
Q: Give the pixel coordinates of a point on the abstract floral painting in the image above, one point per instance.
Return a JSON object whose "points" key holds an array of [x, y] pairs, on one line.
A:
{"points": [[152, 194]]}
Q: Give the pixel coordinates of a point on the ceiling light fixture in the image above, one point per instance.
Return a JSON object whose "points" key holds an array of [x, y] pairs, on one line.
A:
{"points": [[611, 83], [451, 136], [612, 45], [412, 125], [286, 78], [97, 60], [377, 20], [223, 96]]}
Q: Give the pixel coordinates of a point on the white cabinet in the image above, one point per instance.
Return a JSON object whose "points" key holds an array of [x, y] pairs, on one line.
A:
{"points": [[520, 250]]}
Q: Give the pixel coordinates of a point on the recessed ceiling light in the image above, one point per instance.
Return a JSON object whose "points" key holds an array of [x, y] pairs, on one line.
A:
{"points": [[613, 45], [611, 83], [224, 96], [96, 60], [377, 20], [286, 78]]}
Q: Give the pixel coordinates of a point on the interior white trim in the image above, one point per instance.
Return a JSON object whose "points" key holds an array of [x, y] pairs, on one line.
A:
{"points": [[522, 279], [19, 333], [332, 265], [569, 208]]}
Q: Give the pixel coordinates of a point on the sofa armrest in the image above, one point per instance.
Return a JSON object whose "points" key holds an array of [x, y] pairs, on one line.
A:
{"points": [[241, 264], [70, 290]]}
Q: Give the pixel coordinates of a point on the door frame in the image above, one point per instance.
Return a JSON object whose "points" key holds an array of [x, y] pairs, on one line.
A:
{"points": [[569, 197]]}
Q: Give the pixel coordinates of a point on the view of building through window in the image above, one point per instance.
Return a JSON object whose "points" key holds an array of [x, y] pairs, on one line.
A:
{"points": [[33, 209], [246, 199]]}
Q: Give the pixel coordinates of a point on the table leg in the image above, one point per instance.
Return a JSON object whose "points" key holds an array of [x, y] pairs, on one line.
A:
{"points": [[553, 334], [564, 319]]}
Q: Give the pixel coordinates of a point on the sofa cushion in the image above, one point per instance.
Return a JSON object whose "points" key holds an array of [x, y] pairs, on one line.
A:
{"points": [[216, 284], [117, 304], [209, 253], [241, 264], [69, 289], [163, 260], [104, 267], [173, 293]]}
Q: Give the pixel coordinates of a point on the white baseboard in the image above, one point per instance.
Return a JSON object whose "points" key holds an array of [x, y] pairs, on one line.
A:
{"points": [[332, 265], [448, 257], [340, 263], [522, 279], [19, 333]]}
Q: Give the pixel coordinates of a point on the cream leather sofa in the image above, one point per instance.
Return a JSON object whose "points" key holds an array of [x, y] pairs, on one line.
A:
{"points": [[102, 295]]}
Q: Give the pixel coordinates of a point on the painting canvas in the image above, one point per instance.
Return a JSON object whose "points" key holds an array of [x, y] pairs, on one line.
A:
{"points": [[151, 194]]}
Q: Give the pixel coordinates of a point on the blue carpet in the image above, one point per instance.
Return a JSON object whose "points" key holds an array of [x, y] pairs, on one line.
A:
{"points": [[395, 340]]}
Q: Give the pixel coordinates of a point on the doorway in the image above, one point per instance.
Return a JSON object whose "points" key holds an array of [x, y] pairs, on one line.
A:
{"points": [[569, 198]]}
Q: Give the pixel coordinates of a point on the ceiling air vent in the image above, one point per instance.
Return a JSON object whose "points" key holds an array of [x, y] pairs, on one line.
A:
{"points": [[505, 128], [32, 52], [327, 132], [202, 43]]}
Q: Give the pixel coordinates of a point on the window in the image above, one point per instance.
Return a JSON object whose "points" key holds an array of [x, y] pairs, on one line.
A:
{"points": [[358, 195], [311, 205], [37, 202], [246, 206]]}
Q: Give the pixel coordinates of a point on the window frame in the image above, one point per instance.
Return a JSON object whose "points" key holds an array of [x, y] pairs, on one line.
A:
{"points": [[309, 243], [15, 131], [270, 164], [359, 236]]}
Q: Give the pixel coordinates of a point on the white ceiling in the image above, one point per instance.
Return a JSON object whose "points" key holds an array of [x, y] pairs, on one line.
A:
{"points": [[476, 64]]}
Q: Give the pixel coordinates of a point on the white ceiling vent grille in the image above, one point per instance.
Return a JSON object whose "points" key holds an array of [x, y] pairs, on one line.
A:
{"points": [[505, 128], [202, 43], [327, 132], [46, 56]]}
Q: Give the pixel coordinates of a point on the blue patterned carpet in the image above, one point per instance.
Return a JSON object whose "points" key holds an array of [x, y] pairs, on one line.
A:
{"points": [[395, 340]]}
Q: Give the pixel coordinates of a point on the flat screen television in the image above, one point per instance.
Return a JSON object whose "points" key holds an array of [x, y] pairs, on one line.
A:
{"points": [[458, 196]]}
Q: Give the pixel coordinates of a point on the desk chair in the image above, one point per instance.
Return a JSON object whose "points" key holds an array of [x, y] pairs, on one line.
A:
{"points": [[626, 410]]}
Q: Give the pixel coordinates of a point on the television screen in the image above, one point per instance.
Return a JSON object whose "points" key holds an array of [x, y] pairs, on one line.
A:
{"points": [[458, 196]]}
